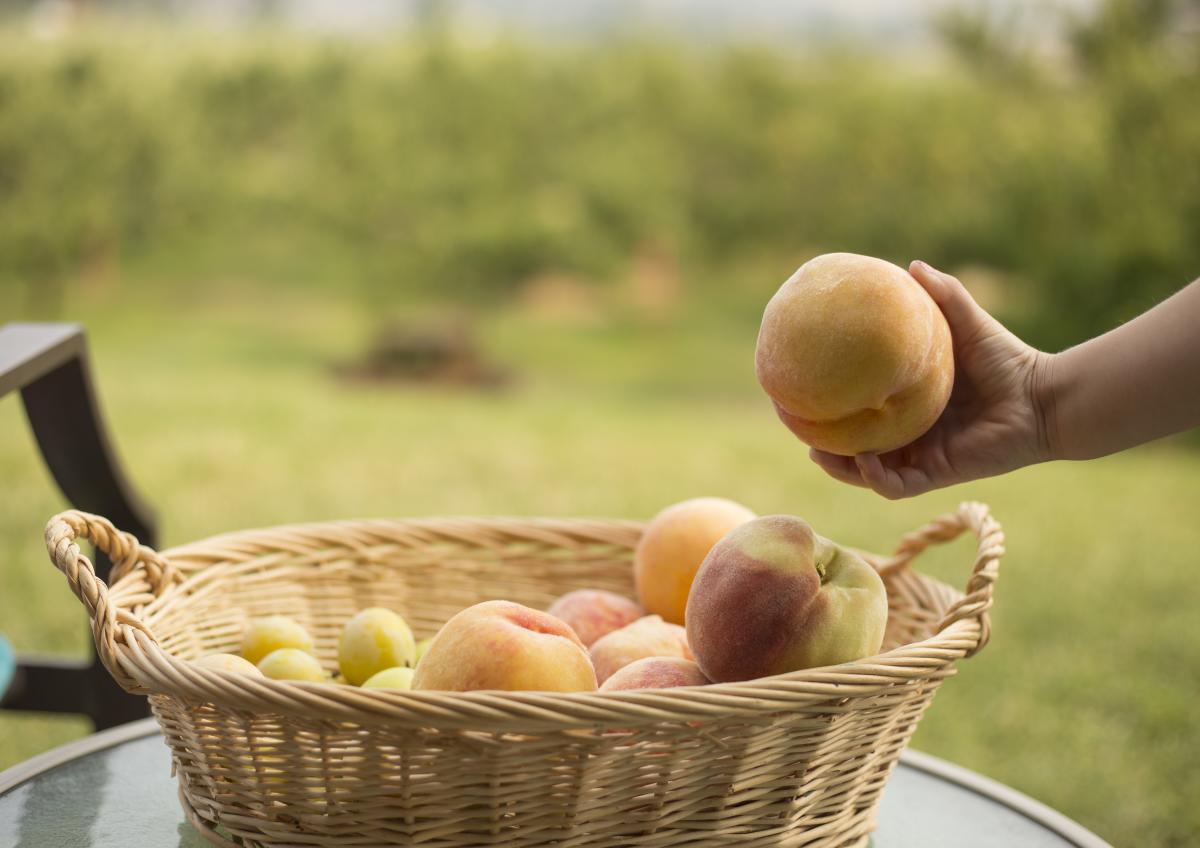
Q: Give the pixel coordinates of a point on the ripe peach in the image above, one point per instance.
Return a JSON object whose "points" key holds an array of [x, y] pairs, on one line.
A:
{"points": [[773, 597], [503, 645], [656, 673], [855, 355], [374, 639], [292, 664], [592, 613], [272, 632], [229, 662], [646, 637], [673, 546]]}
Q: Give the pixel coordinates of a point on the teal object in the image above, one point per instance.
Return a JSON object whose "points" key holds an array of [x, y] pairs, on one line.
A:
{"points": [[8, 665]]}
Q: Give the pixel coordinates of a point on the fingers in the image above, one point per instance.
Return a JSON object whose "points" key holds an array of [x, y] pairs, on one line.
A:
{"points": [[870, 472], [838, 467], [900, 481], [963, 314]]}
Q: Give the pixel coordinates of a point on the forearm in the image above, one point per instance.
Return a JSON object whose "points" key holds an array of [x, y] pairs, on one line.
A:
{"points": [[1131, 385]]}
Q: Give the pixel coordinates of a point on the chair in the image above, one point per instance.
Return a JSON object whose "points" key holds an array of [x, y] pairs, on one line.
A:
{"points": [[49, 364]]}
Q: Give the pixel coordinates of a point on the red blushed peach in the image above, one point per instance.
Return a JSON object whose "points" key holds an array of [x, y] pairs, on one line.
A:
{"points": [[673, 546], [646, 637], [656, 673], [773, 597], [503, 645], [593, 613]]}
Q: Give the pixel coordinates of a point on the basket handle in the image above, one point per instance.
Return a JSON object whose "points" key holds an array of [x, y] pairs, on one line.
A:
{"points": [[977, 599], [107, 615]]}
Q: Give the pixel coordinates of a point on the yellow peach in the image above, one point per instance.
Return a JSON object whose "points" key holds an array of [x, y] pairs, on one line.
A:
{"points": [[292, 664], [375, 639], [398, 677], [855, 355], [672, 547], [272, 632]]}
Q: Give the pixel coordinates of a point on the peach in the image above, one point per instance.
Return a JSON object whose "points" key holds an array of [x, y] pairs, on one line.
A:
{"points": [[398, 677], [855, 355], [593, 613], [272, 632], [672, 547], [773, 597], [656, 673], [292, 664], [646, 637], [374, 639], [503, 645], [229, 662]]}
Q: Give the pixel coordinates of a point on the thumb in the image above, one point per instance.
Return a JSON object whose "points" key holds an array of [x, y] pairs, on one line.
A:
{"points": [[963, 314]]}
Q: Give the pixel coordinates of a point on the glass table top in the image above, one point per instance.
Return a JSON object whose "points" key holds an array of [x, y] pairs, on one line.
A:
{"points": [[114, 790]]}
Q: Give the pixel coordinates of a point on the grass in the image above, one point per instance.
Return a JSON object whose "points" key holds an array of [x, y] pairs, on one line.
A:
{"points": [[224, 409]]}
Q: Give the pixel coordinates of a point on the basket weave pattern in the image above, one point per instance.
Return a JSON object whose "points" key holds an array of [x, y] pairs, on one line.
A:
{"points": [[797, 759]]}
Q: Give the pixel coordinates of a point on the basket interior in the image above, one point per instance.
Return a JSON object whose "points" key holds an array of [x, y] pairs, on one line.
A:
{"points": [[322, 583]]}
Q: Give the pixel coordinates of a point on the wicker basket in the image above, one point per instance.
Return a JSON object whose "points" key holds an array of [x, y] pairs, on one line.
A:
{"points": [[797, 759]]}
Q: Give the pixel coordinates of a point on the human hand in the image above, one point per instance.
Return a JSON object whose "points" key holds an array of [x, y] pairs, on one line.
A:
{"points": [[995, 420]]}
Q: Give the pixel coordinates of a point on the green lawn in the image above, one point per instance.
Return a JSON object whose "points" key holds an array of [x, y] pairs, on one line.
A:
{"points": [[225, 411]]}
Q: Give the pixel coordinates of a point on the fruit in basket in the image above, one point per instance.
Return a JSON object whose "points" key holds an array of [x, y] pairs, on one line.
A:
{"points": [[292, 664], [656, 673], [264, 635], [673, 546], [593, 613], [374, 639], [229, 662], [774, 597], [855, 355], [422, 647], [504, 645], [647, 637], [399, 677]]}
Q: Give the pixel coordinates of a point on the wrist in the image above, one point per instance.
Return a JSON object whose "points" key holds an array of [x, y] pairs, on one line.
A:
{"points": [[1045, 392]]}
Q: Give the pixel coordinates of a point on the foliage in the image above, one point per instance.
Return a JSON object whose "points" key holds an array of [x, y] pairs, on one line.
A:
{"points": [[437, 167]]}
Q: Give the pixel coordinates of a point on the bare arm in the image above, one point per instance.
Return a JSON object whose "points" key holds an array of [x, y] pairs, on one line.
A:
{"points": [[1131, 385]]}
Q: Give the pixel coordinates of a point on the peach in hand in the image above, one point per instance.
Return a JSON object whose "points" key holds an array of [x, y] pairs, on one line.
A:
{"points": [[292, 664], [672, 547], [272, 632], [504, 645], [374, 639], [855, 355], [774, 597], [229, 662], [593, 613], [656, 673], [646, 637]]}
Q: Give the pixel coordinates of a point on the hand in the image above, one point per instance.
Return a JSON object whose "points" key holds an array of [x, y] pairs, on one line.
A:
{"points": [[995, 420]]}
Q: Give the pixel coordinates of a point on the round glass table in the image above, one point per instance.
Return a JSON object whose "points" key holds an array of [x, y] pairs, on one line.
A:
{"points": [[115, 790]]}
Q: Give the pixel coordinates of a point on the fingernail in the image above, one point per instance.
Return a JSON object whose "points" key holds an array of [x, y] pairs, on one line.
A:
{"points": [[923, 266]]}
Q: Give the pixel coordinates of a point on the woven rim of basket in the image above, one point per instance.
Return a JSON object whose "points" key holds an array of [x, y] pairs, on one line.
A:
{"points": [[140, 665]]}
